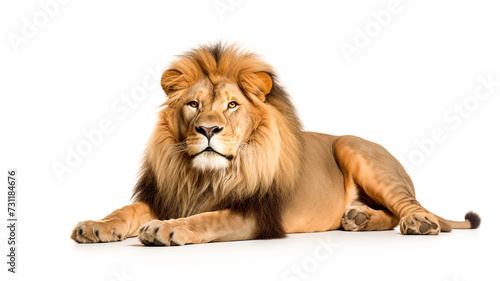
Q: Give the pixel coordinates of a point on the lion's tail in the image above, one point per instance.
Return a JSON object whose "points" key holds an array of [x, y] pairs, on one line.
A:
{"points": [[472, 221]]}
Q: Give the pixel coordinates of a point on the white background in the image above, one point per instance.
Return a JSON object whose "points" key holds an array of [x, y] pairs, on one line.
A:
{"points": [[66, 76]]}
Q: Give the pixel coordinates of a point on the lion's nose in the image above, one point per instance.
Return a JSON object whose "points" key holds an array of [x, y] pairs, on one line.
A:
{"points": [[209, 132]]}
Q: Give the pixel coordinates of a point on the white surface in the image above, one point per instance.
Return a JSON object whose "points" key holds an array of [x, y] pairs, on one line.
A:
{"points": [[77, 70]]}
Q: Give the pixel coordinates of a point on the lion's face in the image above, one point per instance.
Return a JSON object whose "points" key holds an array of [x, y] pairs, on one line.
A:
{"points": [[215, 122]]}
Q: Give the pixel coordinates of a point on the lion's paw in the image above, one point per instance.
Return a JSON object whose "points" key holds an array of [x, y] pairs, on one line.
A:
{"points": [[355, 219], [99, 231], [419, 223], [165, 233]]}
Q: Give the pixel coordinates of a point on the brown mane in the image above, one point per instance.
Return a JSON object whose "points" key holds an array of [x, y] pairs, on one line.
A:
{"points": [[263, 171]]}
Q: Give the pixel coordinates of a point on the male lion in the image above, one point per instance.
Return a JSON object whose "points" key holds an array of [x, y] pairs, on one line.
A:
{"points": [[228, 160]]}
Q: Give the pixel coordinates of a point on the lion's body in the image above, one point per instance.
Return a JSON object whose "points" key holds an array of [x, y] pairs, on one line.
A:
{"points": [[228, 160], [326, 187], [319, 198]]}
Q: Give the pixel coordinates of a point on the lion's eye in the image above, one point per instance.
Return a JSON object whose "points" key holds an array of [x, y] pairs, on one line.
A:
{"points": [[232, 104], [193, 104]]}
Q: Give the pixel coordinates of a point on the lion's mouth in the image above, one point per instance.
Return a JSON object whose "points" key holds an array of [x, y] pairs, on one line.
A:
{"points": [[209, 149]]}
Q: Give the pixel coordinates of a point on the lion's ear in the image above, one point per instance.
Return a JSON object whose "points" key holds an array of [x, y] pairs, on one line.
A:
{"points": [[258, 84], [267, 82], [170, 81]]}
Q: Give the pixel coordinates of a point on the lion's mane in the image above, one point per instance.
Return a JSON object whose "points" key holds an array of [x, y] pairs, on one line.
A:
{"points": [[262, 173]]}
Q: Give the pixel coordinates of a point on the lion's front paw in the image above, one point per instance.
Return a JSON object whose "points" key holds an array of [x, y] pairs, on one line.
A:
{"points": [[99, 231], [166, 233], [419, 223]]}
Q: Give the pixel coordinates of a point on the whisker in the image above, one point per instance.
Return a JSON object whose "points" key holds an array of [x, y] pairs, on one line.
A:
{"points": [[244, 146]]}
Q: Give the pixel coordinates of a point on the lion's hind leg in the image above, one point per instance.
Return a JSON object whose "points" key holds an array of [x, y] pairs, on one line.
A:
{"points": [[362, 217], [382, 178]]}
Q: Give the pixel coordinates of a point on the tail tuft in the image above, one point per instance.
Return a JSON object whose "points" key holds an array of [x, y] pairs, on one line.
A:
{"points": [[474, 219]]}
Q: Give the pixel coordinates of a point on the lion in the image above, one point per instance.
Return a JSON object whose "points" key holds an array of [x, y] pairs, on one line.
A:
{"points": [[228, 160]]}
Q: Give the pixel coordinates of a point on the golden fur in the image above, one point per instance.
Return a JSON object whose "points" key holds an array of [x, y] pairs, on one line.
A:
{"points": [[274, 142], [228, 160]]}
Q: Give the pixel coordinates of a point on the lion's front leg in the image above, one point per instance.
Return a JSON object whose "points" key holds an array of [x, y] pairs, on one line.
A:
{"points": [[224, 225], [118, 225]]}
